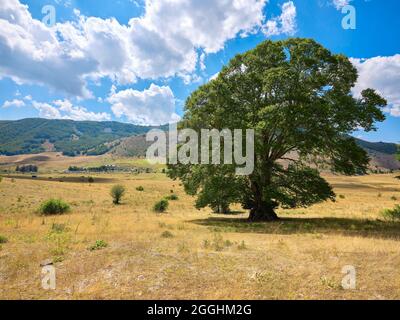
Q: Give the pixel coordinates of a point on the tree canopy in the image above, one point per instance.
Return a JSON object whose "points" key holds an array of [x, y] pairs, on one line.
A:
{"points": [[297, 97]]}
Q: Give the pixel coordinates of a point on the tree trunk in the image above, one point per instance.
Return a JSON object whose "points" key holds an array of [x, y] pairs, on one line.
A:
{"points": [[263, 212]]}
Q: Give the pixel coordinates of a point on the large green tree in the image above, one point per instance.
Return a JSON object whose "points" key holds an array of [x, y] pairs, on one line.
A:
{"points": [[297, 96]]}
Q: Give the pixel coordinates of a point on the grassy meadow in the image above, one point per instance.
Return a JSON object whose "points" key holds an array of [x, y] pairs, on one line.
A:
{"points": [[106, 251]]}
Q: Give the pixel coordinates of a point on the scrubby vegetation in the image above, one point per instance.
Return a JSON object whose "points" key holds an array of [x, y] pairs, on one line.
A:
{"points": [[140, 189], [98, 245], [27, 168], [117, 193], [54, 207], [167, 234], [3, 239], [172, 197], [392, 214], [161, 206]]}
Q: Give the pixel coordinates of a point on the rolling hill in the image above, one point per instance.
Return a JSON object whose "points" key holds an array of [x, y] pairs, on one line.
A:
{"points": [[382, 154], [72, 138], [69, 137]]}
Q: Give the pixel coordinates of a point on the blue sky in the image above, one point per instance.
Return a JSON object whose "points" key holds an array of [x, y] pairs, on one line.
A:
{"points": [[137, 61]]}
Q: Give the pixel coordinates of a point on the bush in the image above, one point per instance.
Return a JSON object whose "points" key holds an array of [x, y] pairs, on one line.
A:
{"points": [[117, 192], [90, 180], [98, 245], [161, 206], [54, 206], [1, 178], [172, 197], [140, 188], [167, 234], [3, 239], [392, 214]]}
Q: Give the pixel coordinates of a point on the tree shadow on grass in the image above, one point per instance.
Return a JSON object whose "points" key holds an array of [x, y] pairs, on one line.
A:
{"points": [[341, 226]]}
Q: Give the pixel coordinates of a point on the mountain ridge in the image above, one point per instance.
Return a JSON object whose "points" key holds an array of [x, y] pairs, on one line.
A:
{"points": [[72, 138]]}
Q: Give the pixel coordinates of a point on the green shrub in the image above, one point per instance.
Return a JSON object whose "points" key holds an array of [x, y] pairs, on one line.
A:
{"points": [[98, 245], [392, 214], [167, 234], [90, 179], [341, 196], [54, 206], [1, 178], [172, 197], [140, 188], [394, 198], [117, 192], [3, 239], [161, 206]]}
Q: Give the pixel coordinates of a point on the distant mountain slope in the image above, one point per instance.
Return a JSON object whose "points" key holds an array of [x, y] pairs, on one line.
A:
{"points": [[67, 136], [382, 147], [383, 155]]}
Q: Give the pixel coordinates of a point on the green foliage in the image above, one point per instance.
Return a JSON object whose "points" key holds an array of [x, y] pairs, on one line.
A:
{"points": [[172, 197], [98, 245], [297, 96], [392, 214], [26, 168], [161, 206], [90, 179], [54, 207], [140, 189], [3, 239], [70, 137], [117, 192]]}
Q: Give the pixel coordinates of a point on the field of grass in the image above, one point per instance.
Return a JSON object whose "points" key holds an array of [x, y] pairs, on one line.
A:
{"points": [[106, 251]]}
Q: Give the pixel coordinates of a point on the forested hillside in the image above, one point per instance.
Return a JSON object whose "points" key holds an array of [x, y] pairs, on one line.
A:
{"points": [[67, 136]]}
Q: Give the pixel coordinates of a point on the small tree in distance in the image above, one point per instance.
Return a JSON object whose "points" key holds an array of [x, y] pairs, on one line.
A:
{"points": [[117, 192], [297, 97]]}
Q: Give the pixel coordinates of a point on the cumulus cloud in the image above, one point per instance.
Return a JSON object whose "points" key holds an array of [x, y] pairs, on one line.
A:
{"points": [[283, 24], [382, 74], [165, 41], [31, 53], [154, 106], [46, 110], [14, 103], [64, 109], [339, 4], [79, 113]]}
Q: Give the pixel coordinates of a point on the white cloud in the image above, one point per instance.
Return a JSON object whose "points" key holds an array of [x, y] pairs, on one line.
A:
{"points": [[283, 24], [31, 53], [79, 113], [164, 42], [382, 74], [339, 4], [64, 109], [153, 106], [46, 110], [14, 103]]}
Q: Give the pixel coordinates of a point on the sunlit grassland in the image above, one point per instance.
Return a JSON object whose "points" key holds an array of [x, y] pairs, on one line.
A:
{"points": [[191, 254]]}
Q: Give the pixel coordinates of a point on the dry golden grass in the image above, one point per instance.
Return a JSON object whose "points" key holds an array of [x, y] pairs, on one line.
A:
{"points": [[190, 254]]}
